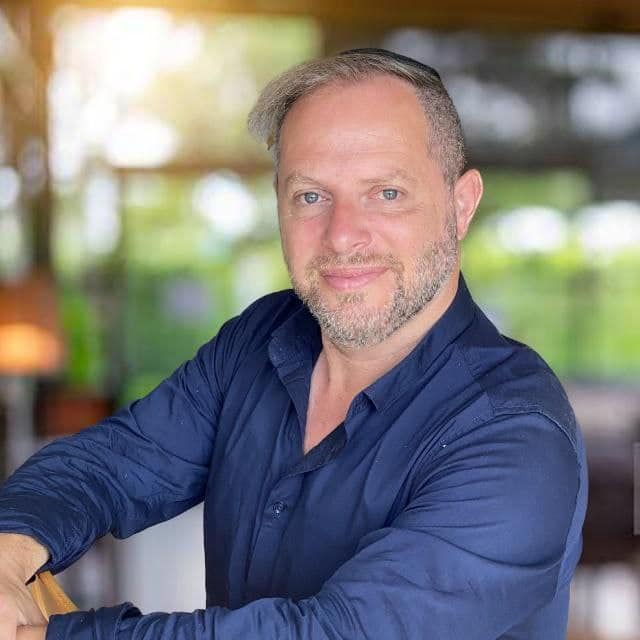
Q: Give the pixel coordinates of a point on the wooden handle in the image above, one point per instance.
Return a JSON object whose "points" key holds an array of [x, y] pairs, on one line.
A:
{"points": [[49, 596]]}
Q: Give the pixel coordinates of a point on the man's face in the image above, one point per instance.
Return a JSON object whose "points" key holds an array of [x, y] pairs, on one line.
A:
{"points": [[367, 222]]}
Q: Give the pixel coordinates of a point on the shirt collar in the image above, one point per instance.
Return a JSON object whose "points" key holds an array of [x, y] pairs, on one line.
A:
{"points": [[298, 342], [410, 370]]}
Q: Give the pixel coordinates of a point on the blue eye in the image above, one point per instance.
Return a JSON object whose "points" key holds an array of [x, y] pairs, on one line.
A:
{"points": [[310, 197], [390, 194]]}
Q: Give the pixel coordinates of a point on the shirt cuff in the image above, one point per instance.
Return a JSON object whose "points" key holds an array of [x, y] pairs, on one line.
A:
{"points": [[95, 624]]}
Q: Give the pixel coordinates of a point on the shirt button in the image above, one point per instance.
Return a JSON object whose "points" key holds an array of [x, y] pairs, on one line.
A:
{"points": [[277, 508]]}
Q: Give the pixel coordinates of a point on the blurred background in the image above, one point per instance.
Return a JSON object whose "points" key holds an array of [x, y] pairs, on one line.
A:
{"points": [[136, 215]]}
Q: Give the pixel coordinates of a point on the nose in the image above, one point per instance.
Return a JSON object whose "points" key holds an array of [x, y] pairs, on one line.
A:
{"points": [[347, 229]]}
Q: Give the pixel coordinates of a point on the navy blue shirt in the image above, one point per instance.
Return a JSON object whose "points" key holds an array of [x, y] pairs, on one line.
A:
{"points": [[448, 504]]}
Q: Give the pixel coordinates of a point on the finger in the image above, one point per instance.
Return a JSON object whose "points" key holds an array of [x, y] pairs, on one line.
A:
{"points": [[31, 633], [32, 614], [8, 619], [26, 609], [29, 612]]}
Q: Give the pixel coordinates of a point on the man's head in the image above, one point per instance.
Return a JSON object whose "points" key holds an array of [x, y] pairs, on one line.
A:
{"points": [[371, 199]]}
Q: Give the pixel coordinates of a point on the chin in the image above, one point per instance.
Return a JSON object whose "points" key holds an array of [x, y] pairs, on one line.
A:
{"points": [[367, 299]]}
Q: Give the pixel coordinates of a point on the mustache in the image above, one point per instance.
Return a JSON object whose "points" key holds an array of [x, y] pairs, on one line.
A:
{"points": [[355, 260]]}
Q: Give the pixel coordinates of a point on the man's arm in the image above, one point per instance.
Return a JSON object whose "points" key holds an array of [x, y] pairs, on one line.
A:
{"points": [[479, 548], [147, 463]]}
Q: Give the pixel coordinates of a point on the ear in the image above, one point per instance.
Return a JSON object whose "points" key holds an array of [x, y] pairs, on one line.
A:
{"points": [[467, 192]]}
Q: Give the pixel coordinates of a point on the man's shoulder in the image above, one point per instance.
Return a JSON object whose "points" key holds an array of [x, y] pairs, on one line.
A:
{"points": [[247, 335], [271, 310], [254, 326], [513, 377]]}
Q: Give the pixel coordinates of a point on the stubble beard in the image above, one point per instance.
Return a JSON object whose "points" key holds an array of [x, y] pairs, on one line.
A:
{"points": [[353, 324]]}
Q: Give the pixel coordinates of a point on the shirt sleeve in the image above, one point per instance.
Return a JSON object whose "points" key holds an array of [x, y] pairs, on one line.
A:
{"points": [[477, 549], [147, 463]]}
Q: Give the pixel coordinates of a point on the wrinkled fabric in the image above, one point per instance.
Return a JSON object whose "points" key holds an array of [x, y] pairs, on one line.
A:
{"points": [[448, 504]]}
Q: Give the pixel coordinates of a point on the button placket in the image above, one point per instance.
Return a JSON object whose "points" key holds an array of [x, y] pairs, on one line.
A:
{"points": [[275, 516]]}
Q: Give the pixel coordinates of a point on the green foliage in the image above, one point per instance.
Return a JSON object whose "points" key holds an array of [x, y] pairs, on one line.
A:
{"points": [[565, 190], [85, 360], [579, 312]]}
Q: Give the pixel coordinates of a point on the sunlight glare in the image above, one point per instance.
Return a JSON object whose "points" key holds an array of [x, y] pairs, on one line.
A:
{"points": [[135, 44]]}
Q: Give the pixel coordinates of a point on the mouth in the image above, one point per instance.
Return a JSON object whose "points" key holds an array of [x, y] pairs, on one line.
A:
{"points": [[352, 278]]}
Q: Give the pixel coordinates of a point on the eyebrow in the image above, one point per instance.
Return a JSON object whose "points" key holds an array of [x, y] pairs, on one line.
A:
{"points": [[297, 177], [390, 177], [401, 174]]}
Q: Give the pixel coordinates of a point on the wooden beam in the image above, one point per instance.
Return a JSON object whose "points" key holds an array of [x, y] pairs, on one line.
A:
{"points": [[41, 47], [604, 16]]}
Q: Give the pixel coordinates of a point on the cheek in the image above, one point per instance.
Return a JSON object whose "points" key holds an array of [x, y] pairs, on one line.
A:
{"points": [[404, 238], [298, 243]]}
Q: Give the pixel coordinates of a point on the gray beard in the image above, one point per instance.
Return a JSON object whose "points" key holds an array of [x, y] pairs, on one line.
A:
{"points": [[351, 323]]}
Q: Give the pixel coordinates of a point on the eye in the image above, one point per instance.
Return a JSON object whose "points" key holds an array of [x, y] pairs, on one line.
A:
{"points": [[310, 197], [390, 194]]}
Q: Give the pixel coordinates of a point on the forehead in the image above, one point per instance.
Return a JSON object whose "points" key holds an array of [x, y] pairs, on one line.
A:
{"points": [[380, 115]]}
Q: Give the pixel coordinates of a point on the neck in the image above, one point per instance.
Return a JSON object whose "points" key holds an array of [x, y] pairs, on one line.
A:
{"points": [[353, 369]]}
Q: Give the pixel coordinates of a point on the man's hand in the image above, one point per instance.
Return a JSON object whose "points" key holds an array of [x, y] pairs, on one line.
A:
{"points": [[20, 558]]}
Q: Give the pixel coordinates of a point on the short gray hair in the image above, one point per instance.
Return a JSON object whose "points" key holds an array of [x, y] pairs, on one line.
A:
{"points": [[445, 135]]}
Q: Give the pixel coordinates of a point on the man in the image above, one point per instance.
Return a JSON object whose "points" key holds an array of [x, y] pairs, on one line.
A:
{"points": [[378, 462]]}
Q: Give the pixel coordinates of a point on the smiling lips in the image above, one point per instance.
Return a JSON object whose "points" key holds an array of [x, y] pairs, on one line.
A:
{"points": [[353, 278]]}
